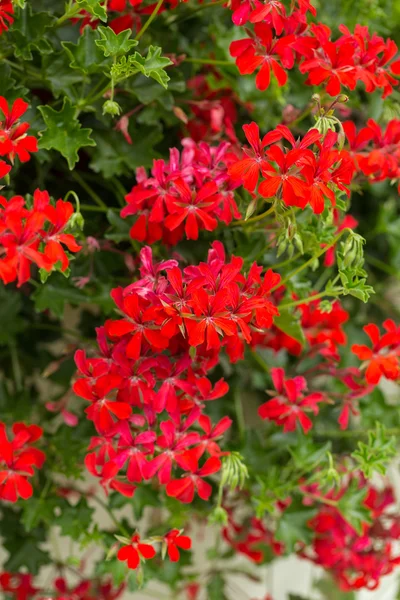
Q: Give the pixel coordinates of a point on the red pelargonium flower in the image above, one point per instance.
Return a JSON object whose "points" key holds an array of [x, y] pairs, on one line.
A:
{"points": [[284, 180], [17, 459], [14, 140], [265, 51], [184, 489], [383, 359], [6, 15], [175, 540], [334, 64], [248, 169], [192, 207], [291, 405], [33, 236], [135, 552]]}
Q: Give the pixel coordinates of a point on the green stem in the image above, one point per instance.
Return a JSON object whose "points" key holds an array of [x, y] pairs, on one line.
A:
{"points": [[104, 209], [260, 361], [72, 12], [121, 191], [254, 219], [210, 61], [150, 19], [305, 300], [75, 175], [311, 260], [287, 261], [349, 433], [379, 264], [16, 367], [199, 9], [114, 519]]}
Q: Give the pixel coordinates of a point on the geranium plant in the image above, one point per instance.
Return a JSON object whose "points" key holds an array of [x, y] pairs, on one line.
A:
{"points": [[199, 257]]}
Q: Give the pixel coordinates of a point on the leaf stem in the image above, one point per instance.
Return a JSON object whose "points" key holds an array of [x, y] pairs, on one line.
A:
{"points": [[305, 300], [312, 259], [210, 61], [75, 175], [16, 366], [254, 219], [150, 19]]}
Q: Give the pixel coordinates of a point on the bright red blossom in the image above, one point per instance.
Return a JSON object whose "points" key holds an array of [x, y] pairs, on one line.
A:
{"points": [[18, 459]]}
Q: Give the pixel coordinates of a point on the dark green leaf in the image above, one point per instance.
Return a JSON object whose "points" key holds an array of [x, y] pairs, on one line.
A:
{"points": [[75, 520], [351, 505], [216, 587], [290, 324], [112, 43], [86, 56], [64, 132], [29, 32]]}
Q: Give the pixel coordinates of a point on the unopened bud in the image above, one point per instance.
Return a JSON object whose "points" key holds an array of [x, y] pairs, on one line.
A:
{"points": [[111, 108]]}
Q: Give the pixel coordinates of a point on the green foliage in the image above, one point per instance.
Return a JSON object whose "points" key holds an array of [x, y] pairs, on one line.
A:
{"points": [[153, 65], [216, 587], [64, 132], [374, 455], [86, 56], [351, 505], [114, 44]]}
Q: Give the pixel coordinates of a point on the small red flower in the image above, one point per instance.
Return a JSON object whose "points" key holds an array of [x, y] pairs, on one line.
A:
{"points": [[6, 15], [384, 356], [291, 405], [175, 540], [14, 140], [135, 552], [17, 459]]}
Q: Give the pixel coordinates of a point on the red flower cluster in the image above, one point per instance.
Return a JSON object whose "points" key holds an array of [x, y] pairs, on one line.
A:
{"points": [[291, 405], [250, 536], [148, 389], [357, 560], [383, 359], [137, 551], [20, 586], [34, 235], [281, 40], [214, 111], [374, 152], [193, 191], [323, 331], [298, 176], [6, 15], [14, 140], [18, 459]]}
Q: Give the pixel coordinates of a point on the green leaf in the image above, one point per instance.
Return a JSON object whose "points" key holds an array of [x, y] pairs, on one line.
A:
{"points": [[23, 548], [61, 77], [39, 510], [64, 132], [216, 587], [351, 505], [75, 520], [114, 156], [94, 7], [53, 296], [290, 324], [330, 591], [152, 65], [307, 455], [376, 453], [112, 43], [292, 527], [10, 318], [86, 56], [29, 33], [9, 87]]}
